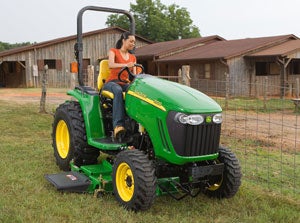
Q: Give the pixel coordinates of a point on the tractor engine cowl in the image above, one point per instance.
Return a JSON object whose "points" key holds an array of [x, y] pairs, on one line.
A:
{"points": [[194, 140]]}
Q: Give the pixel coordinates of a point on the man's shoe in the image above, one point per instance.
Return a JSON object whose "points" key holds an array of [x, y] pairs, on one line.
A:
{"points": [[119, 132]]}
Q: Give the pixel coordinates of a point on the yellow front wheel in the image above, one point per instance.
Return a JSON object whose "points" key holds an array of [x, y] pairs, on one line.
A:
{"points": [[125, 182], [134, 180]]}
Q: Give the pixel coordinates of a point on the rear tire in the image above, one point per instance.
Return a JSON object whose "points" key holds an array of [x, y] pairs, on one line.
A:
{"points": [[69, 137], [134, 180], [228, 184]]}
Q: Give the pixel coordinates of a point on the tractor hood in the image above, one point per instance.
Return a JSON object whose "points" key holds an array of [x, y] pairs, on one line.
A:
{"points": [[167, 95]]}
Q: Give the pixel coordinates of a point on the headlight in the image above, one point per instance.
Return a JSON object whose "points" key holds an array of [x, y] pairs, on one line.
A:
{"points": [[217, 118], [189, 119]]}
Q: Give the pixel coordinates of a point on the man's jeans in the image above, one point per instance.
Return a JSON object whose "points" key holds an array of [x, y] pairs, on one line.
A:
{"points": [[118, 103]]}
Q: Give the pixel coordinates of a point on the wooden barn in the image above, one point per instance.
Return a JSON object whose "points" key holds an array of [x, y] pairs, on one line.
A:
{"points": [[241, 66], [22, 67], [217, 66]]}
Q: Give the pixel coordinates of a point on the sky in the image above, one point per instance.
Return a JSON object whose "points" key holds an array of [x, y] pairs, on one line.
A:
{"points": [[42, 20]]}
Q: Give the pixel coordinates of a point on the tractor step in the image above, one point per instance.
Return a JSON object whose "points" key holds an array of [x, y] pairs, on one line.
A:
{"points": [[70, 181]]}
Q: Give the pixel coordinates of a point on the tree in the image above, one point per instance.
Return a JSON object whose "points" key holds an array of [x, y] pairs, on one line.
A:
{"points": [[157, 22], [8, 46]]}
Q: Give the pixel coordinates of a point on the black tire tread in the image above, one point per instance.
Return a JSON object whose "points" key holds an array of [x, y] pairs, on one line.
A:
{"points": [[82, 154], [231, 176], [144, 176]]}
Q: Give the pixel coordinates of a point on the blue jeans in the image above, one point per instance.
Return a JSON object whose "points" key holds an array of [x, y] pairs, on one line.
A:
{"points": [[118, 103]]}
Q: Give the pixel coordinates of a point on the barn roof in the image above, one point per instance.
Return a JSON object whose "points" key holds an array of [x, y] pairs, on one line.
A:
{"points": [[170, 47], [283, 49], [63, 39], [226, 49]]}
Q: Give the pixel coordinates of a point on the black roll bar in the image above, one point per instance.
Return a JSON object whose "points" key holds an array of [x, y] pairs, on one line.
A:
{"points": [[79, 45]]}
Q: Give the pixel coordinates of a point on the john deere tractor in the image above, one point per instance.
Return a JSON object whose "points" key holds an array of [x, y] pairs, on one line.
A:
{"points": [[172, 143]]}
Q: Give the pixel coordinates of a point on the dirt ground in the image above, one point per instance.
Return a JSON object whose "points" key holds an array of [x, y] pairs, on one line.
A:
{"points": [[25, 95], [280, 130]]}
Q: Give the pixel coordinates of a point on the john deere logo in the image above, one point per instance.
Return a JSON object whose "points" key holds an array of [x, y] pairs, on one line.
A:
{"points": [[208, 119]]}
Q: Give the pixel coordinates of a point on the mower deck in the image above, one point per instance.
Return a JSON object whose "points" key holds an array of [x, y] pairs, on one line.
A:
{"points": [[97, 178], [69, 181]]}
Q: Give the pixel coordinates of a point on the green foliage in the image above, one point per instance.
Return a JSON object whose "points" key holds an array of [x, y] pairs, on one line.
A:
{"points": [[8, 46], [157, 22]]}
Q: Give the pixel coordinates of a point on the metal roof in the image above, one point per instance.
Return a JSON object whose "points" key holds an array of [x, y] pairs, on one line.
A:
{"points": [[227, 48], [283, 49], [169, 47]]}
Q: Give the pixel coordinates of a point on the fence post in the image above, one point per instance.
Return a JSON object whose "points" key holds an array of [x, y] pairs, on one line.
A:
{"points": [[186, 75], [44, 90], [265, 89], [227, 89], [180, 76], [256, 88], [91, 75], [297, 88]]}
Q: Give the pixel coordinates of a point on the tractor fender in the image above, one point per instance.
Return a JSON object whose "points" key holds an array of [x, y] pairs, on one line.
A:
{"points": [[91, 111]]}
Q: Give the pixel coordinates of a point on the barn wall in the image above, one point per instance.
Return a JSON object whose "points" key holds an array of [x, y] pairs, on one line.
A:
{"points": [[239, 77], [95, 46], [215, 85]]}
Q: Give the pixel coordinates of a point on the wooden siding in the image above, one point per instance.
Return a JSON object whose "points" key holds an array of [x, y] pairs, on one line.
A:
{"points": [[94, 47], [215, 85], [239, 77]]}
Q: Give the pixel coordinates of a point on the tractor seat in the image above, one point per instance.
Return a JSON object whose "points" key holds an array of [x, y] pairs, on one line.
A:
{"points": [[104, 72]]}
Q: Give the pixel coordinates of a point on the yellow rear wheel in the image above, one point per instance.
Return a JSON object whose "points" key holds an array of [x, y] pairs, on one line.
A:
{"points": [[227, 184], [216, 185], [62, 139], [69, 139]]}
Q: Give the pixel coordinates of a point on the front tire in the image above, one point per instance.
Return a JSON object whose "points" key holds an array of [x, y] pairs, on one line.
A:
{"points": [[134, 180], [226, 185]]}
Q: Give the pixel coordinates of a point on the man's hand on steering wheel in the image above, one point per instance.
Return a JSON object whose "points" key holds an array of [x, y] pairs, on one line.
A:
{"points": [[131, 75]]}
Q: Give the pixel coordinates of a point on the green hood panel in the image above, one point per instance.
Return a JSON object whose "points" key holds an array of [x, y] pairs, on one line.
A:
{"points": [[149, 100], [173, 96]]}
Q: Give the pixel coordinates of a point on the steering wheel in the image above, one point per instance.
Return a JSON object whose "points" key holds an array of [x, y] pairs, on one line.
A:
{"points": [[131, 75]]}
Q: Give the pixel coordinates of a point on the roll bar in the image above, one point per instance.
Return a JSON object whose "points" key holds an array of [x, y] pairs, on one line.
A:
{"points": [[78, 47]]}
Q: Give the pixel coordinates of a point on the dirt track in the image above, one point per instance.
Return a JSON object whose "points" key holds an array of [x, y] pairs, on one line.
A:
{"points": [[273, 130], [20, 95]]}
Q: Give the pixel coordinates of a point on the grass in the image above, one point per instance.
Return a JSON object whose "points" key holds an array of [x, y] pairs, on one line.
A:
{"points": [[267, 149], [272, 169], [258, 105], [26, 155]]}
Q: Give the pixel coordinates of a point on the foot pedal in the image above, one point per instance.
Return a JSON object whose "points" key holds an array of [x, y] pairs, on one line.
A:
{"points": [[69, 181]]}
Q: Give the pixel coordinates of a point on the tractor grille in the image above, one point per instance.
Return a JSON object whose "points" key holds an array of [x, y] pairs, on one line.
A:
{"points": [[189, 140]]}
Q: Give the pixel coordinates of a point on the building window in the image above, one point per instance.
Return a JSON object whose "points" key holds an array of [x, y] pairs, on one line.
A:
{"points": [[51, 64], [295, 67], [266, 68], [274, 69], [207, 71], [261, 68]]}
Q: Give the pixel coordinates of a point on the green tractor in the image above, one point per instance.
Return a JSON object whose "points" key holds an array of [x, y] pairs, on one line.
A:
{"points": [[171, 145]]}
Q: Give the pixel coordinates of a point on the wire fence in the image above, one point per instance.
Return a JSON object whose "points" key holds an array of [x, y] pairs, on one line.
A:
{"points": [[262, 129], [264, 133]]}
